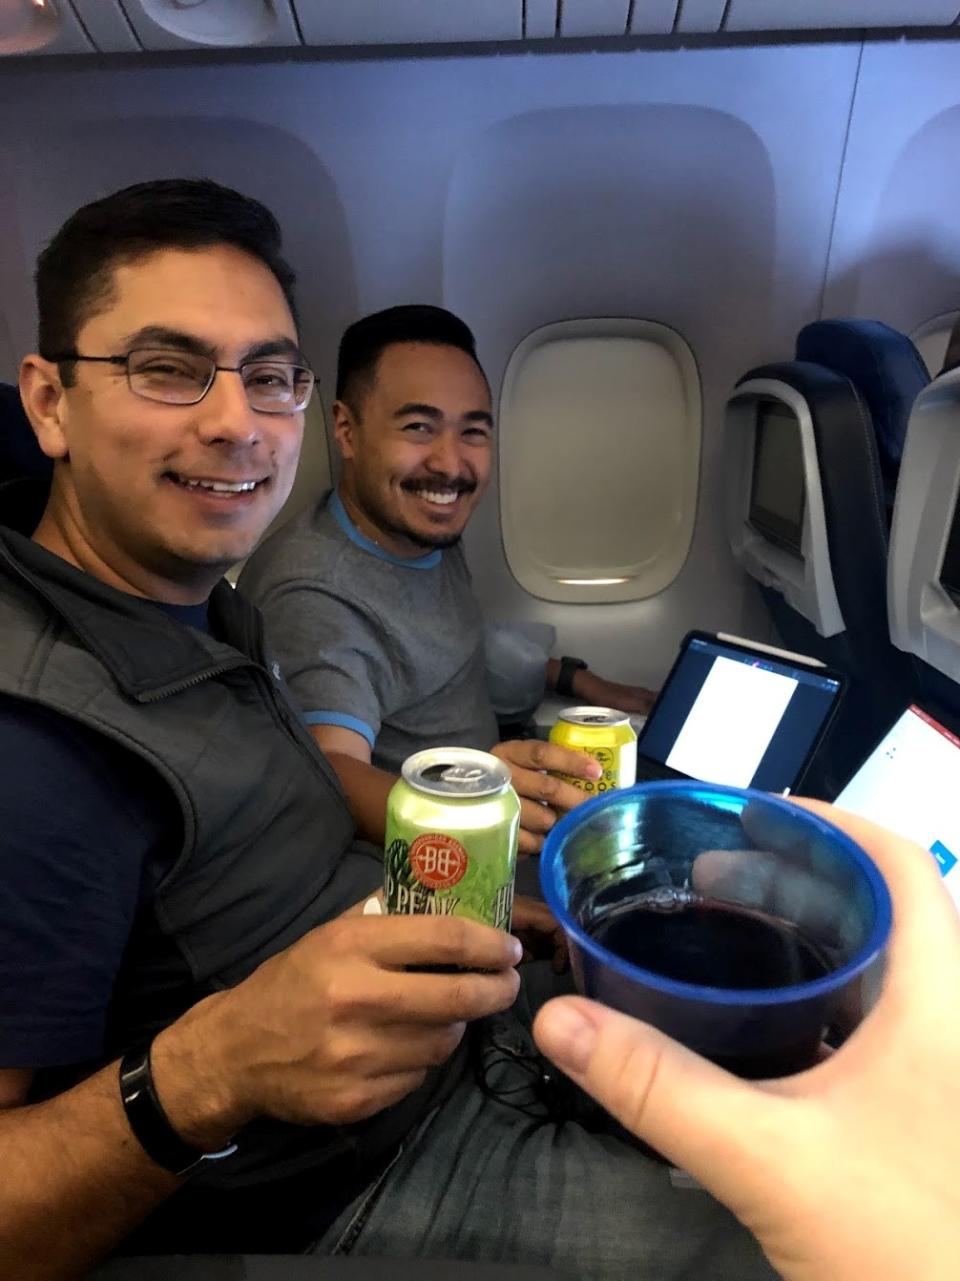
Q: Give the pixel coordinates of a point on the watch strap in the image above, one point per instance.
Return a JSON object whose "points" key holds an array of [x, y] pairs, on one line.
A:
{"points": [[150, 1124], [568, 666]]}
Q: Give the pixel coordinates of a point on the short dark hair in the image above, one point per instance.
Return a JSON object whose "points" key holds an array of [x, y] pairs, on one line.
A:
{"points": [[365, 341], [75, 271]]}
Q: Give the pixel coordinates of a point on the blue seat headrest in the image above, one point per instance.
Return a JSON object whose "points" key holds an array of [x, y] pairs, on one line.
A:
{"points": [[854, 512], [20, 455], [886, 369]]}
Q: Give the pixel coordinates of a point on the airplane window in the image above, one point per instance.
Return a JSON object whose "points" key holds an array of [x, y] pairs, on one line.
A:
{"points": [[950, 569], [599, 459], [778, 494]]}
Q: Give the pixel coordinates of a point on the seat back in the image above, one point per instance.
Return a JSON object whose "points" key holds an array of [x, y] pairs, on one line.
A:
{"points": [[20, 455], [932, 340], [887, 371], [924, 566], [807, 519]]}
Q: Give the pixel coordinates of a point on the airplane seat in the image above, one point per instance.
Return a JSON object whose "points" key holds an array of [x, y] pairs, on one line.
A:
{"points": [[20, 455], [807, 519], [887, 371], [932, 340], [923, 587], [291, 1267]]}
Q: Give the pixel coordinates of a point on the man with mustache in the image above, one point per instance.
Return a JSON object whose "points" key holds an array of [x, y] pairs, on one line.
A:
{"points": [[367, 597]]}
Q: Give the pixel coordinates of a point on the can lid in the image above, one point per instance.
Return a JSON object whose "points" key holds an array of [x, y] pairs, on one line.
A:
{"points": [[595, 717], [456, 772]]}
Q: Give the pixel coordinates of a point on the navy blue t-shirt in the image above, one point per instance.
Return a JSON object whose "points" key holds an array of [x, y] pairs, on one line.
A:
{"points": [[86, 831]]}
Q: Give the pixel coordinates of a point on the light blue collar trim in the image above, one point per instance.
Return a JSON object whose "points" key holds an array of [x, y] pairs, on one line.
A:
{"points": [[429, 561]]}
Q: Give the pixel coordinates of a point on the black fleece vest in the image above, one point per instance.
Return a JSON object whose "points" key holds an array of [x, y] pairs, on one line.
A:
{"points": [[266, 854]]}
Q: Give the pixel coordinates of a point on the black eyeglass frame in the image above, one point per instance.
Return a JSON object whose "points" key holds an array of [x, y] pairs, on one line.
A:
{"points": [[124, 362]]}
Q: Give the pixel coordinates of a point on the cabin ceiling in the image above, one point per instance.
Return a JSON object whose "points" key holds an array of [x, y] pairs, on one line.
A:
{"points": [[31, 27]]}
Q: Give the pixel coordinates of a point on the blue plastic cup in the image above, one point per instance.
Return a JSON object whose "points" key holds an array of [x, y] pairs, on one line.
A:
{"points": [[739, 924]]}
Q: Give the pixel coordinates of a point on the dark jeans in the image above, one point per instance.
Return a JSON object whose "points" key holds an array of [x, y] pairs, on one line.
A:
{"points": [[486, 1181]]}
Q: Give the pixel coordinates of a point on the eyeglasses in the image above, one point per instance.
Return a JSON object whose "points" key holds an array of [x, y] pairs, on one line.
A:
{"points": [[184, 378]]}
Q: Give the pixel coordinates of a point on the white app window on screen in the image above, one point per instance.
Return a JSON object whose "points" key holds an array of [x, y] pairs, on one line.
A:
{"points": [[731, 723], [910, 785]]}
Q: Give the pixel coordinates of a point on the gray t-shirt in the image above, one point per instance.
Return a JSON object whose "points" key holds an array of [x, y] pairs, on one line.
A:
{"points": [[388, 647]]}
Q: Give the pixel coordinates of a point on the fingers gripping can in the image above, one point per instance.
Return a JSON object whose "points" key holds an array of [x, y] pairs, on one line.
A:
{"points": [[453, 822], [608, 737]]}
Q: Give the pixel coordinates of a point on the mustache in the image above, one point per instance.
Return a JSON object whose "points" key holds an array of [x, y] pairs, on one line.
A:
{"points": [[460, 484]]}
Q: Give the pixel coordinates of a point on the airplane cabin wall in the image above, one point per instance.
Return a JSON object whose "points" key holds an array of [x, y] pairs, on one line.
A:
{"points": [[896, 248], [692, 187]]}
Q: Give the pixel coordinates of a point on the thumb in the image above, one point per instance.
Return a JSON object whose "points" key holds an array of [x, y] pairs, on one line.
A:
{"points": [[724, 1131]]}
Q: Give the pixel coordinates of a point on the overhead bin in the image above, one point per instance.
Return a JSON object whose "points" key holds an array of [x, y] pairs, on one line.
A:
{"points": [[653, 17], [107, 26], [130, 26], [28, 27], [219, 24], [594, 17], [540, 19], [813, 15], [701, 15], [362, 22]]}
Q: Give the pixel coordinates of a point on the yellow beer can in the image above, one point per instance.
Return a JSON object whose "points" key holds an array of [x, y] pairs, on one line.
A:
{"points": [[608, 737]]}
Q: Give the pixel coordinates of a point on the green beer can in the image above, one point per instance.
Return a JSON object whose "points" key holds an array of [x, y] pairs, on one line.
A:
{"points": [[453, 823]]}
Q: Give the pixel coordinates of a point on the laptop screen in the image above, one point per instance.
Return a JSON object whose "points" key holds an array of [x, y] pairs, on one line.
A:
{"points": [[731, 714], [909, 783]]}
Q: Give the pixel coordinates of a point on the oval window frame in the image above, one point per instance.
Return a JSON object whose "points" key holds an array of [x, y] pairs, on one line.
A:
{"points": [[628, 580]]}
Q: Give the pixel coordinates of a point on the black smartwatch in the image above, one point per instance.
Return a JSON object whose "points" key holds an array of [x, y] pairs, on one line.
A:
{"points": [[568, 666], [149, 1123]]}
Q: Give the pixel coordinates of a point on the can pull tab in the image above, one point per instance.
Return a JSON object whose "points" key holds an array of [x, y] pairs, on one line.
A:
{"points": [[464, 774]]}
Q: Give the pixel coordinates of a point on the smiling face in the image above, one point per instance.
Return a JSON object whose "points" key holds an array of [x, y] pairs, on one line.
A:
{"points": [[417, 447], [161, 498]]}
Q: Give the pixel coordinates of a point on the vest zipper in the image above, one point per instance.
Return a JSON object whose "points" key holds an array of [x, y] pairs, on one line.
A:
{"points": [[177, 687]]}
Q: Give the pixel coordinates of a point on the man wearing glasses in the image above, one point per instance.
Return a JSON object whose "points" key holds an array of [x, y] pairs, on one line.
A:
{"points": [[202, 1048]]}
